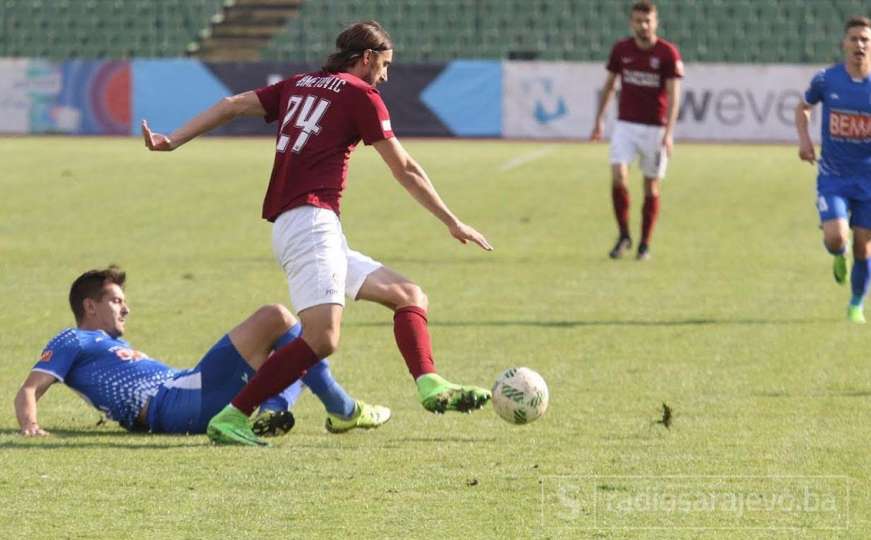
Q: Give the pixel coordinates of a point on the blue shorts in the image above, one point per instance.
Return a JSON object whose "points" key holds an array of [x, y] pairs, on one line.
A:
{"points": [[186, 403], [845, 197]]}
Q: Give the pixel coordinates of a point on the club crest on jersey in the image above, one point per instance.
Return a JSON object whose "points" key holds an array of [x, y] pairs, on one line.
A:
{"points": [[46, 355], [654, 62], [126, 354]]}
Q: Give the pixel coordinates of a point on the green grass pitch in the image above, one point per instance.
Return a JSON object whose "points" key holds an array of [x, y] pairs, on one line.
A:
{"points": [[735, 324]]}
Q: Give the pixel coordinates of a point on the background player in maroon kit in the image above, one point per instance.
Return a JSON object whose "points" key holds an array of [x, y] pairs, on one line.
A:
{"points": [[649, 68], [323, 115]]}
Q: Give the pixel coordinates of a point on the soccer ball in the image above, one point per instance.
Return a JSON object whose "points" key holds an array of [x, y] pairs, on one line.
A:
{"points": [[520, 395]]}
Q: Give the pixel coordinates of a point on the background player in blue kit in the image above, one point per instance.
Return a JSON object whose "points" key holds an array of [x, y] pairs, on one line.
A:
{"points": [[144, 394], [844, 180]]}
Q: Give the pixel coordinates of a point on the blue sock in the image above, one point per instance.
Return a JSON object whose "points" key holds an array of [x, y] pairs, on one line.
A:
{"points": [[322, 384], [318, 379], [294, 332], [859, 280], [285, 400], [836, 251]]}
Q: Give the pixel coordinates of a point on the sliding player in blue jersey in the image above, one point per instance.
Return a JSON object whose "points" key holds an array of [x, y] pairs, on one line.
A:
{"points": [[844, 180], [144, 394]]}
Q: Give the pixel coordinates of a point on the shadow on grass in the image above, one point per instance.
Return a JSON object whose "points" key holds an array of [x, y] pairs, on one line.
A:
{"points": [[574, 324], [430, 440], [70, 438]]}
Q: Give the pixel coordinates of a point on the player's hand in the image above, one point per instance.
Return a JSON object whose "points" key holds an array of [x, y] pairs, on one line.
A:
{"points": [[598, 129], [464, 234], [33, 430], [807, 152], [668, 143], [155, 141]]}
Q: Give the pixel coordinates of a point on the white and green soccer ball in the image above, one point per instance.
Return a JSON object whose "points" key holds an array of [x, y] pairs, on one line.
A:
{"points": [[520, 395]]}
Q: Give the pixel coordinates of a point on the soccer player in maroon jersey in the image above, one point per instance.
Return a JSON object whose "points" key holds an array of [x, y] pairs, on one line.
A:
{"points": [[322, 116], [650, 69]]}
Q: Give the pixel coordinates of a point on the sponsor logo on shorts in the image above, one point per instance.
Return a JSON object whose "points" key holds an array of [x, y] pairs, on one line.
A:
{"points": [[45, 356], [331, 292]]}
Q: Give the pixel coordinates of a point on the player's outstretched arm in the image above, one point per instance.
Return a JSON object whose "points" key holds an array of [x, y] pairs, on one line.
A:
{"points": [[604, 98], [25, 402], [244, 104], [414, 179], [806, 150]]}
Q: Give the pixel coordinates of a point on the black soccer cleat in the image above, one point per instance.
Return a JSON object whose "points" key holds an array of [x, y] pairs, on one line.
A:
{"points": [[624, 244], [272, 423], [643, 252]]}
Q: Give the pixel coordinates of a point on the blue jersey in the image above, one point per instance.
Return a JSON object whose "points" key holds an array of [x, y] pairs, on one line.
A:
{"points": [[105, 371], [846, 122]]}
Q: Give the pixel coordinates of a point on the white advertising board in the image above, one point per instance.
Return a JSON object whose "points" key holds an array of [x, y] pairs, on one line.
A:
{"points": [[719, 102], [14, 96]]}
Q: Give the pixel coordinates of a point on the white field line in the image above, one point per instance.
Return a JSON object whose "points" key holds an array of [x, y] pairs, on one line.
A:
{"points": [[523, 159]]}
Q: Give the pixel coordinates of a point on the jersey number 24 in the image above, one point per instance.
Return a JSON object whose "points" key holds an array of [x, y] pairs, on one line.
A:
{"points": [[311, 111]]}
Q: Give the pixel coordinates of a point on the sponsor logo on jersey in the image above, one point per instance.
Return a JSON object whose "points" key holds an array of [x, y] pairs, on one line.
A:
{"points": [[641, 78], [385, 125], [46, 355], [626, 59], [852, 126], [128, 354]]}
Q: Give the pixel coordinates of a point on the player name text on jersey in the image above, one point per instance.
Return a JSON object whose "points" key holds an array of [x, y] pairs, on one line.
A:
{"points": [[330, 83]]}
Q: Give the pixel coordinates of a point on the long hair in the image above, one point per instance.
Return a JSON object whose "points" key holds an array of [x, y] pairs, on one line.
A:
{"points": [[90, 285], [354, 41]]}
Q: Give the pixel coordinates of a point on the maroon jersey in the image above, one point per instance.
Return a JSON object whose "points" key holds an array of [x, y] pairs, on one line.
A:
{"points": [[323, 117], [643, 73]]}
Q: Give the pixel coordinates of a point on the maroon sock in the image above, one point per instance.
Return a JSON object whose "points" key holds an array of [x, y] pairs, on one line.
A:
{"points": [[649, 213], [412, 337], [620, 198], [280, 370]]}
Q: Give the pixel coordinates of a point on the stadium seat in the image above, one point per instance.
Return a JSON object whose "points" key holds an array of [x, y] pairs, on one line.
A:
{"points": [[439, 30]]}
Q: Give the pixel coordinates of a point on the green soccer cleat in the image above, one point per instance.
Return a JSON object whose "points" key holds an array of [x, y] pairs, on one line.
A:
{"points": [[230, 426], [438, 395], [855, 314], [839, 269], [365, 417], [272, 423]]}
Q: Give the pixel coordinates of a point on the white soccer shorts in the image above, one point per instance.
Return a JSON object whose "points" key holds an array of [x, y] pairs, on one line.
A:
{"points": [[630, 140], [309, 244]]}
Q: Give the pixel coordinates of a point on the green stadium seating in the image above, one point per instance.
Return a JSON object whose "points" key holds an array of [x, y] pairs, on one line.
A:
{"points": [[59, 29], [799, 31]]}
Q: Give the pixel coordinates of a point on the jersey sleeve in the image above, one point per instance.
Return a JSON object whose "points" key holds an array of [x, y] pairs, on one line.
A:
{"points": [[673, 67], [815, 92], [59, 355], [614, 65], [372, 119], [270, 98]]}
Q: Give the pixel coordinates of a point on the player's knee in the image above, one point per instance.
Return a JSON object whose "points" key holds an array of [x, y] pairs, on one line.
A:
{"points": [[277, 316], [410, 294], [323, 344]]}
